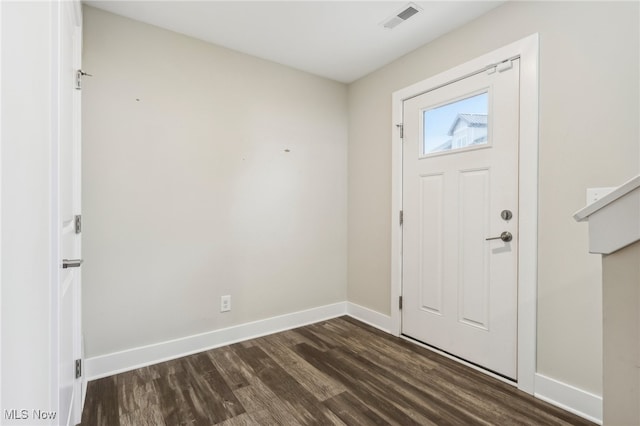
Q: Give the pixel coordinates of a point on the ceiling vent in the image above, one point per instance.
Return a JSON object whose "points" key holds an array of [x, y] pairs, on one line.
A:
{"points": [[405, 13]]}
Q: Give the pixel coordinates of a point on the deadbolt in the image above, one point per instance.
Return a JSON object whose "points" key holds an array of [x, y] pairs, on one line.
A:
{"points": [[506, 214]]}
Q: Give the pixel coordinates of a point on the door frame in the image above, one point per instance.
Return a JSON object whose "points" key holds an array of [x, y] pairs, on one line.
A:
{"points": [[527, 50], [80, 387], [1, 211], [77, 397]]}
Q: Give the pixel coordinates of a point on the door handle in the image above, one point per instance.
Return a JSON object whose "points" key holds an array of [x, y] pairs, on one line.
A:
{"points": [[505, 236], [71, 263]]}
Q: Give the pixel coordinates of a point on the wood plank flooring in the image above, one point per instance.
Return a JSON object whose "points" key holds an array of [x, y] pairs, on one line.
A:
{"points": [[336, 372]]}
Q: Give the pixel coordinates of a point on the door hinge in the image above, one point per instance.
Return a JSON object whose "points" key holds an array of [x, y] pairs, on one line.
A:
{"points": [[78, 368], [505, 65], [79, 74], [78, 223], [401, 128], [400, 302], [401, 217]]}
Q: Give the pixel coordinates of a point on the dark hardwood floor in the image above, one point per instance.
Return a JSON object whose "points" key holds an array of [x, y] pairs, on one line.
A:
{"points": [[339, 371]]}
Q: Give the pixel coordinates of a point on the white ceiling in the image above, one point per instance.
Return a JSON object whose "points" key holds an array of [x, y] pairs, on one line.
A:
{"points": [[340, 40]]}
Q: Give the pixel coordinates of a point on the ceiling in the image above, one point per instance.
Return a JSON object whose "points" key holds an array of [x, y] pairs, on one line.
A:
{"points": [[340, 40]]}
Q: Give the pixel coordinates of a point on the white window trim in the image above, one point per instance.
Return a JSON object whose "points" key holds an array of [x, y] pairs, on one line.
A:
{"points": [[527, 50]]}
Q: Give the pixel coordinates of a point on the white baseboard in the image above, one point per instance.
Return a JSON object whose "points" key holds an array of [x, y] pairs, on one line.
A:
{"points": [[570, 398], [130, 359], [368, 316]]}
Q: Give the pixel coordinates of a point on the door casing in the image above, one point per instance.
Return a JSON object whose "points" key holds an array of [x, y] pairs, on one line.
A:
{"points": [[64, 71], [527, 50]]}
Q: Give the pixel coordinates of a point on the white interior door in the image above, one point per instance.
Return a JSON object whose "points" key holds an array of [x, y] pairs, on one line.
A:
{"points": [[460, 172], [68, 313]]}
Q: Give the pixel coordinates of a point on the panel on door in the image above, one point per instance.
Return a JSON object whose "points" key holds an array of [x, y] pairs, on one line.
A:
{"points": [[460, 172]]}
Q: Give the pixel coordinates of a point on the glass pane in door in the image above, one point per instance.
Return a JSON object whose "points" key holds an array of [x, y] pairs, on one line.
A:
{"points": [[456, 125]]}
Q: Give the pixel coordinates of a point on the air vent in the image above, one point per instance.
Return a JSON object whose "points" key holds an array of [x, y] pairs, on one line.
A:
{"points": [[405, 13]]}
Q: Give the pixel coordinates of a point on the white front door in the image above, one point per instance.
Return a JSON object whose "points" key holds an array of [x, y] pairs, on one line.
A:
{"points": [[68, 313], [460, 188]]}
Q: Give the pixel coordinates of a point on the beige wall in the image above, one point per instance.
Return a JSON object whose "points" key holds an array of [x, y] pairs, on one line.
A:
{"points": [[188, 193], [588, 138]]}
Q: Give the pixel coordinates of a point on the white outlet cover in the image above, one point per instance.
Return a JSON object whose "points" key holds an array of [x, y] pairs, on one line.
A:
{"points": [[225, 303]]}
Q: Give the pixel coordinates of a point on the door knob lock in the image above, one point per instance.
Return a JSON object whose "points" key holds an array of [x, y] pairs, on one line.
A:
{"points": [[505, 236]]}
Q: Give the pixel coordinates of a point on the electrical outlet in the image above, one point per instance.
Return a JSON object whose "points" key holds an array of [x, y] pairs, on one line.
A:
{"points": [[225, 303]]}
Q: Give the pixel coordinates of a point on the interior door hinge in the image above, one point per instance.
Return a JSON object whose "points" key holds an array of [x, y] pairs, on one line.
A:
{"points": [[401, 127], [400, 302], [78, 368], [79, 74], [78, 223], [401, 217], [505, 65]]}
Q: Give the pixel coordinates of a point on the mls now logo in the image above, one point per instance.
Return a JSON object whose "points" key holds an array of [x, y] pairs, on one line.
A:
{"points": [[16, 414]]}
